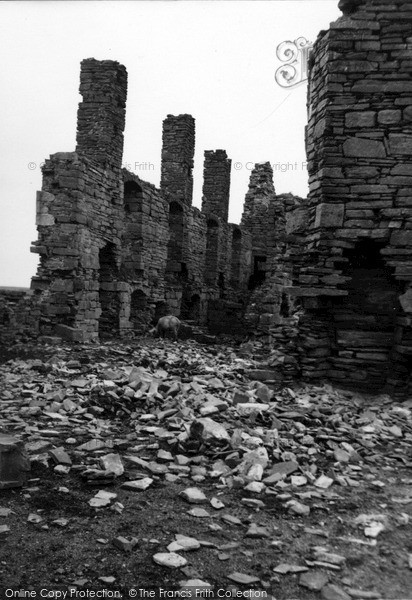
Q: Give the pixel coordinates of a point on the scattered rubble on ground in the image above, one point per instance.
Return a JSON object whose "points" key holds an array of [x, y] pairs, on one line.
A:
{"points": [[122, 420]]}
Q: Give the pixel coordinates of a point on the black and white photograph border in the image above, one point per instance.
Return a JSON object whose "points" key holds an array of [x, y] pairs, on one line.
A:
{"points": [[206, 299]]}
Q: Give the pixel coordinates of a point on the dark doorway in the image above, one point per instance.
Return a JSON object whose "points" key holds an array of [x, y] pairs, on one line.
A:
{"points": [[259, 272], [108, 294], [190, 310], [364, 320]]}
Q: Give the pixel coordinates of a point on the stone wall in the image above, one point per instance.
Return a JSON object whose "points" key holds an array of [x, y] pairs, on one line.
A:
{"points": [[264, 216], [19, 314], [116, 253], [354, 270]]}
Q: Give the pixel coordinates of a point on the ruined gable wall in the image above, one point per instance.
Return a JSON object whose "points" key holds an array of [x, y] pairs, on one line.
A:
{"points": [[359, 147], [80, 207]]}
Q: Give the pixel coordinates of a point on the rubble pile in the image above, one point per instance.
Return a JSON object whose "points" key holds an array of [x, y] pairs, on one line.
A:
{"points": [[128, 418]]}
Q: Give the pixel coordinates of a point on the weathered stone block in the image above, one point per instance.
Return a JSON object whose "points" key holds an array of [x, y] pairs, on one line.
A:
{"points": [[70, 333], [402, 238], [362, 172], [406, 301], [360, 119], [364, 147], [400, 143], [14, 462], [329, 215], [389, 117], [407, 113]]}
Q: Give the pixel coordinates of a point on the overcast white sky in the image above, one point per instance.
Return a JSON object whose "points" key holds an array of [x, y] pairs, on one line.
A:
{"points": [[213, 59]]}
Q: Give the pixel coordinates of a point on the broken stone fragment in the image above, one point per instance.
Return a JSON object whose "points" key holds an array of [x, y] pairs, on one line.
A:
{"points": [[314, 580], [257, 532], [341, 455], [112, 463], [109, 579], [199, 513], [138, 485], [169, 559], [253, 503], [251, 407], [298, 508], [34, 518], [210, 430], [298, 480], [373, 523], [14, 462], [255, 487], [243, 578], [60, 456], [101, 499], [240, 397], [280, 470], [323, 482], [193, 495], [284, 568], [254, 458], [231, 519], [183, 543], [334, 592], [4, 531], [92, 446], [363, 594], [194, 583], [328, 557], [125, 544], [216, 503]]}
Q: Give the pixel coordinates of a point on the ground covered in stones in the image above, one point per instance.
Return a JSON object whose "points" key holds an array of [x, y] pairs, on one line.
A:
{"points": [[162, 464]]}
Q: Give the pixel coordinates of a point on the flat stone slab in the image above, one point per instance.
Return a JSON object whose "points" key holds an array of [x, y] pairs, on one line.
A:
{"points": [[169, 559]]}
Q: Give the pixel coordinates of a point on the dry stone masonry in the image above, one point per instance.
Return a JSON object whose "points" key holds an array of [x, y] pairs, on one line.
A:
{"points": [[354, 271], [325, 282]]}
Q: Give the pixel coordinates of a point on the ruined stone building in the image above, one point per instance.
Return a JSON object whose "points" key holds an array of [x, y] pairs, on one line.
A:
{"points": [[116, 252]]}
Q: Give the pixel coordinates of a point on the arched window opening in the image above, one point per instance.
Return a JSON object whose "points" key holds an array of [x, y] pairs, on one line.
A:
{"points": [[259, 272], [133, 196], [236, 257], [212, 249], [108, 294], [175, 245]]}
